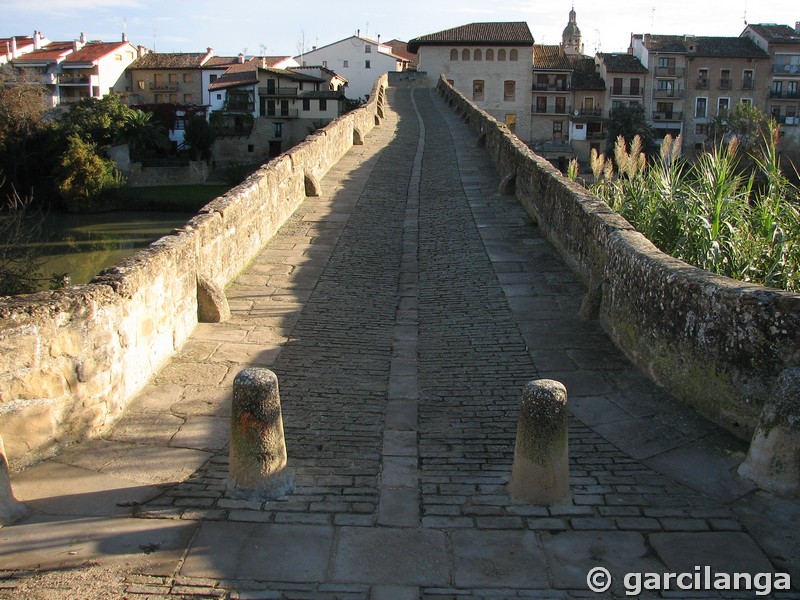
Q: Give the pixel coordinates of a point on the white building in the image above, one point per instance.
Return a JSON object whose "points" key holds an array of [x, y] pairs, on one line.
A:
{"points": [[95, 69], [490, 63], [358, 59]]}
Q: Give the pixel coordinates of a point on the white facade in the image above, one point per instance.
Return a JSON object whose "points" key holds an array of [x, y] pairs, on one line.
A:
{"points": [[498, 79], [359, 60]]}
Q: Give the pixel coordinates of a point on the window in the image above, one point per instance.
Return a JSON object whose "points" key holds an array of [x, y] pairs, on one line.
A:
{"points": [[346, 64], [140, 84], [747, 79], [173, 78], [306, 104], [465, 54], [251, 148], [561, 105], [700, 107], [453, 54], [558, 130], [323, 104], [270, 108], [513, 55], [277, 130], [187, 98], [723, 104], [118, 57], [180, 124], [666, 88], [173, 98], [501, 54], [541, 104], [477, 89], [701, 129], [219, 96], [702, 79], [490, 54], [478, 55], [158, 98], [509, 90], [212, 78], [747, 102], [368, 49], [367, 64], [725, 79], [187, 78], [617, 87]]}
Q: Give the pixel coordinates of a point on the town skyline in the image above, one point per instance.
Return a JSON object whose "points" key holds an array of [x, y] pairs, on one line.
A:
{"points": [[238, 27]]}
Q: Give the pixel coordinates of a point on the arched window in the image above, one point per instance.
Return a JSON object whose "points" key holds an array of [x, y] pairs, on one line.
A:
{"points": [[501, 54], [477, 55], [490, 54], [465, 54], [453, 54], [513, 55]]}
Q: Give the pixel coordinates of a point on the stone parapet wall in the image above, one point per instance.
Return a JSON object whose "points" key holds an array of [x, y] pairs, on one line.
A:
{"points": [[70, 360], [717, 344]]}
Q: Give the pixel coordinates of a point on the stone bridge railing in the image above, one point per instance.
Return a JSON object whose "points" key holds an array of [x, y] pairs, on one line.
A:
{"points": [[718, 344], [70, 360]]}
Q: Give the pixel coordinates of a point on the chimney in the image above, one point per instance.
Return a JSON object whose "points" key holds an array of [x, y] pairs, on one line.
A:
{"points": [[83, 38], [241, 58], [141, 51], [797, 27], [13, 47], [358, 33], [124, 37], [379, 39], [37, 40]]}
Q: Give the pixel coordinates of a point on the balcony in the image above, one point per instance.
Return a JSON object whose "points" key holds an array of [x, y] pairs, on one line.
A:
{"points": [[590, 112], [781, 95], [551, 110], [668, 93], [725, 84], [668, 116], [74, 79], [164, 86], [550, 87], [786, 69], [277, 91], [670, 71], [629, 91], [747, 84], [291, 113]]}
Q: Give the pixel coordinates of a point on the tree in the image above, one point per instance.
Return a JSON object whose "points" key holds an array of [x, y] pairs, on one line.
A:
{"points": [[100, 121], [86, 180], [629, 121], [142, 134], [22, 122], [749, 125], [199, 136], [20, 230]]}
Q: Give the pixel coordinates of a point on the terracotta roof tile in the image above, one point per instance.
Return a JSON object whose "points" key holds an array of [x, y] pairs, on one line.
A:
{"points": [[512, 33], [93, 51], [550, 57], [621, 63], [736, 47], [776, 34], [161, 60], [52, 52]]}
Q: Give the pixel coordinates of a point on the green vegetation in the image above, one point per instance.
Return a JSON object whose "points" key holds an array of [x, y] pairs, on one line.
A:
{"points": [[743, 224], [86, 180]]}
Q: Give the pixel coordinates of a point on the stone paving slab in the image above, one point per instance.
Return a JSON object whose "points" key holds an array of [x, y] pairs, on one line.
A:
{"points": [[403, 311]]}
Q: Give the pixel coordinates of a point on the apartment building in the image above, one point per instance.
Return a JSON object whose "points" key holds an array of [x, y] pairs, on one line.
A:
{"points": [[95, 69], [168, 78], [490, 63], [260, 111], [18, 45], [360, 60], [694, 79]]}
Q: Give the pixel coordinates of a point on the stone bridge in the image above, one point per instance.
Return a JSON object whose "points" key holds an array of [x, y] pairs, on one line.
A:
{"points": [[403, 304]]}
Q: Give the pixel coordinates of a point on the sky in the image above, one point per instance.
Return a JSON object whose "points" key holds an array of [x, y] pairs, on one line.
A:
{"points": [[279, 29]]}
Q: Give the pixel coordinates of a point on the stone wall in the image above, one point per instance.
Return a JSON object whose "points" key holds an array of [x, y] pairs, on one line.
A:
{"points": [[70, 360], [717, 344], [195, 172]]}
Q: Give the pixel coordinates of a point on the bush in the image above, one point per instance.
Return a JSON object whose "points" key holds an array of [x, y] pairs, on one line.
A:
{"points": [[86, 180]]}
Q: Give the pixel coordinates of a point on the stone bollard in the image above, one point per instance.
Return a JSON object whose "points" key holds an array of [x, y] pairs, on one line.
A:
{"points": [[257, 468], [540, 474], [773, 460], [11, 510]]}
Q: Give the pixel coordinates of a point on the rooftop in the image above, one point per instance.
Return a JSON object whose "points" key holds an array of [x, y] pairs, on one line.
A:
{"points": [[704, 46], [776, 34], [160, 60], [551, 57], [509, 33], [94, 51], [620, 62]]}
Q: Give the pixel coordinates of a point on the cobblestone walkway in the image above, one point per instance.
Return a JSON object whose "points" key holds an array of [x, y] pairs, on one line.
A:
{"points": [[403, 312]]}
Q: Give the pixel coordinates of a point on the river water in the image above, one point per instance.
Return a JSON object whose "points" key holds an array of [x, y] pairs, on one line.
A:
{"points": [[83, 245]]}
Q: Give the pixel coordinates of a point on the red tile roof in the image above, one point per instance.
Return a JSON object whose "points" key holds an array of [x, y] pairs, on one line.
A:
{"points": [[169, 60], [52, 52], [776, 34], [551, 58], [94, 51], [513, 33]]}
